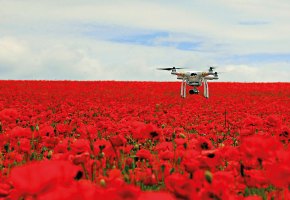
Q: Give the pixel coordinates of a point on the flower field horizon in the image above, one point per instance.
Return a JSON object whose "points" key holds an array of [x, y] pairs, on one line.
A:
{"points": [[141, 140]]}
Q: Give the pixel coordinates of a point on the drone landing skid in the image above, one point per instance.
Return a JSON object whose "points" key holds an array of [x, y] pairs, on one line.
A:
{"points": [[183, 88], [205, 91]]}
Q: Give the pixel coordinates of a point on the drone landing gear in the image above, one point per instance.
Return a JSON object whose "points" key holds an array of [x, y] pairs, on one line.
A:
{"points": [[205, 92], [183, 88], [194, 90]]}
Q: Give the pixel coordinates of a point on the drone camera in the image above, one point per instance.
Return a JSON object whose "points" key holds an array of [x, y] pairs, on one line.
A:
{"points": [[193, 92]]}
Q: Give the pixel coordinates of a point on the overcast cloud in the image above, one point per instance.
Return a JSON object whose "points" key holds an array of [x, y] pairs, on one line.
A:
{"points": [[127, 40]]}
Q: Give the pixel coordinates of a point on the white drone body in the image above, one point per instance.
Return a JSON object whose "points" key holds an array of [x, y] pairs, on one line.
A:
{"points": [[195, 79]]}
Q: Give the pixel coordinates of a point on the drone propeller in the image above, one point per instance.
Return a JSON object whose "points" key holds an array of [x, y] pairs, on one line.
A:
{"points": [[211, 68], [169, 68]]}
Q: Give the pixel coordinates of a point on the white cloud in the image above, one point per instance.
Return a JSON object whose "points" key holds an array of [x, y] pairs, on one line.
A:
{"points": [[47, 40], [12, 50], [247, 73]]}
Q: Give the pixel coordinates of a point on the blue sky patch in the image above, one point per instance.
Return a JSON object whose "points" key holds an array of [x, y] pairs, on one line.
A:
{"points": [[188, 46], [147, 39], [143, 37]]}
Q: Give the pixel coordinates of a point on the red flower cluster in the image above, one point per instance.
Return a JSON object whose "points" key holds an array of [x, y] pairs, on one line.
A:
{"points": [[140, 140]]}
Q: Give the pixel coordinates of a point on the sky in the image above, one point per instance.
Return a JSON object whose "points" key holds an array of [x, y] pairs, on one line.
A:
{"points": [[248, 40]]}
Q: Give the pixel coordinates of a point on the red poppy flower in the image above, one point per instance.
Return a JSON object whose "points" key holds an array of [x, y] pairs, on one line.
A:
{"points": [[247, 131], [201, 148], [39, 177], [24, 145], [125, 192], [180, 141], [166, 155], [284, 135], [144, 154], [191, 165], [84, 190], [204, 144], [256, 178], [61, 147], [257, 148], [80, 158], [21, 132], [145, 131], [252, 122], [62, 128], [8, 114], [46, 130], [155, 196], [4, 190], [254, 197], [114, 174], [278, 173], [118, 140], [163, 146], [180, 186], [101, 146], [273, 121], [80, 146], [211, 158]]}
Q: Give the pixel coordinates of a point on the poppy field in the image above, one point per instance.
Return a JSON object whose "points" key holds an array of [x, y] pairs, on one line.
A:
{"points": [[140, 140]]}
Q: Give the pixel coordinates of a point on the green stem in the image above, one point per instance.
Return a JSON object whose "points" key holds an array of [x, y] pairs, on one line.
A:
{"points": [[85, 171]]}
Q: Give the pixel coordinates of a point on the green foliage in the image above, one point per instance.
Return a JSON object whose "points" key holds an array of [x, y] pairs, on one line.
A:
{"points": [[262, 192]]}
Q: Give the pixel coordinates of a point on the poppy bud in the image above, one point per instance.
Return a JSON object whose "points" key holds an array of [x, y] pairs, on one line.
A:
{"points": [[221, 144], [49, 154], [136, 146], [182, 135], [208, 176], [103, 182], [102, 154]]}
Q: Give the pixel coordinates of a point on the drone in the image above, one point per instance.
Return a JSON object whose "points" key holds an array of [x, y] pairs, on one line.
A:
{"points": [[194, 79]]}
